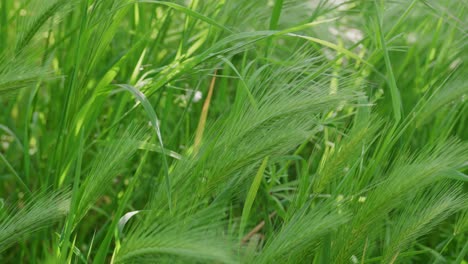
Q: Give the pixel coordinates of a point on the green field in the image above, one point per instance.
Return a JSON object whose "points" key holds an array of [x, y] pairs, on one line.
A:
{"points": [[233, 131]]}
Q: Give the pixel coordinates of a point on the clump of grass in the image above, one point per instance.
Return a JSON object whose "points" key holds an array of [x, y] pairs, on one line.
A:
{"points": [[233, 132]]}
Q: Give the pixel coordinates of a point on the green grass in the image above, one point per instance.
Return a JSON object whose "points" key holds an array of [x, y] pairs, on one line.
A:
{"points": [[235, 131]]}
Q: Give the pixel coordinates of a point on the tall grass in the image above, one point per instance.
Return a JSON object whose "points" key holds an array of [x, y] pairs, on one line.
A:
{"points": [[237, 131]]}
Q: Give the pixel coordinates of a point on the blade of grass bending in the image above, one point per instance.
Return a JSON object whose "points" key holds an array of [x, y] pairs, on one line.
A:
{"points": [[152, 147], [249, 94], [155, 124], [177, 67], [189, 12], [342, 50], [332, 46], [303, 26], [251, 196]]}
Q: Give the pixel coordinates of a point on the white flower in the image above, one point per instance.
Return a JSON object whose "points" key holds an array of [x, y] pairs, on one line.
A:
{"points": [[198, 96], [195, 97]]}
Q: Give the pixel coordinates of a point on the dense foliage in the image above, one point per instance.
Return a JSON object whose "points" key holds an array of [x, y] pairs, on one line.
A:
{"points": [[236, 131]]}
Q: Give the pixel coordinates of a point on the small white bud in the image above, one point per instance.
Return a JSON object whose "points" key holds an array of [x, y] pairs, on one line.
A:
{"points": [[198, 96]]}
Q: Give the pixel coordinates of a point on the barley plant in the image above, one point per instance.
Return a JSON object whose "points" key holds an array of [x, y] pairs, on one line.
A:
{"points": [[235, 131]]}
